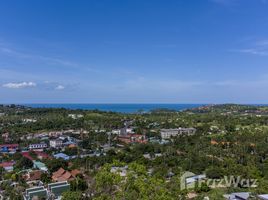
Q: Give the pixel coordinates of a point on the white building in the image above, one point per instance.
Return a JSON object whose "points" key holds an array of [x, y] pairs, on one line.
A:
{"points": [[55, 143], [126, 131], [263, 196], [29, 120], [38, 146], [116, 132], [55, 133], [75, 116], [122, 171], [168, 133], [237, 195]]}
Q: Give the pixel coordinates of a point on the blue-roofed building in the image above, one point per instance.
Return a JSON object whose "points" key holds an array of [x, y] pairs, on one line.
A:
{"points": [[61, 155], [40, 165], [263, 196], [69, 143], [194, 179], [8, 148], [39, 192], [53, 191], [58, 188], [237, 196]]}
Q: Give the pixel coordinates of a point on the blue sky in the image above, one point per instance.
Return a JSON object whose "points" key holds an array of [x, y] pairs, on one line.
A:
{"points": [[138, 51]]}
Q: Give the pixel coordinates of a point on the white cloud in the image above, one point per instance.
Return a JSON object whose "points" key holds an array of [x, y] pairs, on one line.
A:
{"points": [[225, 83], [262, 43], [257, 83], [224, 2], [259, 48], [157, 85], [60, 87], [165, 45], [19, 85], [258, 52], [234, 2], [49, 60]]}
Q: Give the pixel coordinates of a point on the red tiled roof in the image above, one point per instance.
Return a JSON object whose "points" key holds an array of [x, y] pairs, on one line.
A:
{"points": [[34, 175], [9, 145], [63, 175], [130, 138], [42, 154], [137, 135], [58, 173], [26, 155], [38, 154], [75, 172], [213, 142], [72, 146], [7, 164]]}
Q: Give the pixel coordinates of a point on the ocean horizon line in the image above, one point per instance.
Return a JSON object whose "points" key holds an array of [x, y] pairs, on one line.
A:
{"points": [[123, 107]]}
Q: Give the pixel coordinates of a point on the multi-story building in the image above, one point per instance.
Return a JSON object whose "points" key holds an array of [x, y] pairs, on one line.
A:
{"points": [[168, 133], [53, 191], [55, 143], [38, 146], [126, 130], [9, 148], [133, 138], [8, 166]]}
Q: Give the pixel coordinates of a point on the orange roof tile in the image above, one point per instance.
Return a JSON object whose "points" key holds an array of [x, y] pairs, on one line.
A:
{"points": [[65, 177], [213, 142], [75, 172], [35, 175], [72, 146], [58, 173]]}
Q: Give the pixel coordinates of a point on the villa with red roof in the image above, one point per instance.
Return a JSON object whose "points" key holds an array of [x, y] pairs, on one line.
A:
{"points": [[8, 166], [39, 154], [9, 148], [64, 175], [133, 138], [33, 175]]}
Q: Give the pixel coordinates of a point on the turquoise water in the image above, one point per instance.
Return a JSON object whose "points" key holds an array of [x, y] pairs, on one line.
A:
{"points": [[123, 108]]}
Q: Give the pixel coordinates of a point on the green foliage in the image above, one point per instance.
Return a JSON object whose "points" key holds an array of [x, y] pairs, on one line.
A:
{"points": [[71, 196], [45, 178], [231, 140], [54, 164], [71, 151], [24, 163], [203, 188], [106, 181], [78, 184], [136, 185], [215, 172]]}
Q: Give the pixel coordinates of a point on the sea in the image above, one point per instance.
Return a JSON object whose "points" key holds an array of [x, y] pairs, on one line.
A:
{"points": [[121, 108]]}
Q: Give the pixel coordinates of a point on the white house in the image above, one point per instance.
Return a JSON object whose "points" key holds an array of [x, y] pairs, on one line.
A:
{"points": [[8, 166], [75, 116], [263, 196], [238, 195], [122, 171], [29, 120], [116, 132], [55, 143], [38, 146], [168, 133]]}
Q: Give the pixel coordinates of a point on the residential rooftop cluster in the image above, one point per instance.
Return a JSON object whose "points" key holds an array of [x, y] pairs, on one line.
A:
{"points": [[94, 154]]}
